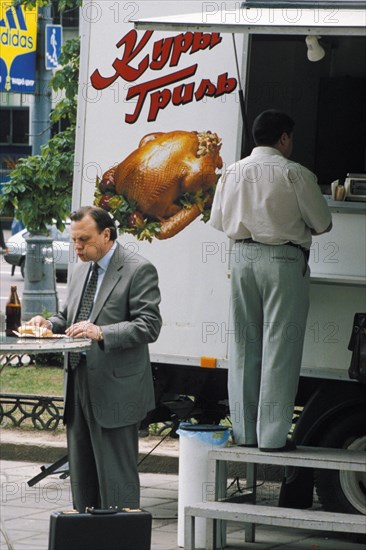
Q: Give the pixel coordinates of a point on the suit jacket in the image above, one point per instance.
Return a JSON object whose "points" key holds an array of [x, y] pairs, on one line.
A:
{"points": [[127, 309]]}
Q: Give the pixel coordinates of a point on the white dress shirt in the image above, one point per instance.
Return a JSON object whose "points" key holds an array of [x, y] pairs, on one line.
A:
{"points": [[270, 199], [103, 264]]}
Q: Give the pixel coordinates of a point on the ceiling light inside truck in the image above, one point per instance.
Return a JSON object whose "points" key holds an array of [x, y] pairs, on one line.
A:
{"points": [[315, 50]]}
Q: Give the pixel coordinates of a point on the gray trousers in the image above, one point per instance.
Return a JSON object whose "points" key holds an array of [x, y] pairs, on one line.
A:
{"points": [[102, 461], [270, 302]]}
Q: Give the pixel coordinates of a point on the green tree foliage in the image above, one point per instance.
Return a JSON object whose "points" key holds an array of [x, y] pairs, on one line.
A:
{"points": [[40, 186], [62, 4]]}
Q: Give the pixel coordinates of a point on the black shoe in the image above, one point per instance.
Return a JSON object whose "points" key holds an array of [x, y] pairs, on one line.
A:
{"points": [[289, 446], [248, 445]]}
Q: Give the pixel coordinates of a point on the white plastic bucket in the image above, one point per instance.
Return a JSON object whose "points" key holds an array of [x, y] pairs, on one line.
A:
{"points": [[195, 442]]}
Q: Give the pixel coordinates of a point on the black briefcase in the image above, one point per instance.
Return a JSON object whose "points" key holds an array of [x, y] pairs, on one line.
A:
{"points": [[100, 530]]}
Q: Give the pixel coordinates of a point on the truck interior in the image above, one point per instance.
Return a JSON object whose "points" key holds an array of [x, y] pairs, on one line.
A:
{"points": [[326, 98]]}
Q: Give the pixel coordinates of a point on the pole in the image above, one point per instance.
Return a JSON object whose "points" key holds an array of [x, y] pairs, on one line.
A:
{"points": [[40, 114], [40, 294]]}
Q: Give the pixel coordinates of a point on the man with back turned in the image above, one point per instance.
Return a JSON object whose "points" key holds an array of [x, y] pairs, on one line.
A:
{"points": [[270, 207]]}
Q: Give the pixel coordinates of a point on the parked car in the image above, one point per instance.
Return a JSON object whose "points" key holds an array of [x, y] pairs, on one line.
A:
{"points": [[16, 247], [2, 240]]}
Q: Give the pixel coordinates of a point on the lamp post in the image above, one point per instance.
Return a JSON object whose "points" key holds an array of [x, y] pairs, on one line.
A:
{"points": [[40, 292], [40, 114]]}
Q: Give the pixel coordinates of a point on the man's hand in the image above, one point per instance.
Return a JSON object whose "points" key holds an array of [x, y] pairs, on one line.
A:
{"points": [[39, 321], [84, 329]]}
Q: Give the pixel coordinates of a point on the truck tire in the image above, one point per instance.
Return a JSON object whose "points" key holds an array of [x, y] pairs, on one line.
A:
{"points": [[342, 491]]}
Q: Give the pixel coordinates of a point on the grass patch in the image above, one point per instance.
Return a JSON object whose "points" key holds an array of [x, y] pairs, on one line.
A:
{"points": [[32, 379]]}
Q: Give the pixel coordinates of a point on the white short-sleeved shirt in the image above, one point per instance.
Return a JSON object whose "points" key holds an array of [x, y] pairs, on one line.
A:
{"points": [[270, 199]]}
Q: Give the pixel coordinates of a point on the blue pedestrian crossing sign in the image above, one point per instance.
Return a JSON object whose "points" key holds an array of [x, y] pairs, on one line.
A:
{"points": [[53, 45]]}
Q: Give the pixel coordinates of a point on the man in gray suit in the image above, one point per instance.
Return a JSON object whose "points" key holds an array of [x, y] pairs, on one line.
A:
{"points": [[108, 390]]}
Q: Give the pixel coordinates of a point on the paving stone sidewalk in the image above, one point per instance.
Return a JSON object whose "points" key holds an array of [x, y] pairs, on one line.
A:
{"points": [[25, 513]]}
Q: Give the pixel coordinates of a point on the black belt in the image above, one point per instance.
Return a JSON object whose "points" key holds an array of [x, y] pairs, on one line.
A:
{"points": [[305, 251]]}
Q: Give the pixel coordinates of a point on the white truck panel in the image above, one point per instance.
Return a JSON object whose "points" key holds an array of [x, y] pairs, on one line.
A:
{"points": [[338, 269], [195, 291], [341, 252], [107, 138], [328, 328], [193, 266]]}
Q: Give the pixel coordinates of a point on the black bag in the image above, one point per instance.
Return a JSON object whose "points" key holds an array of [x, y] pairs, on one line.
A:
{"points": [[100, 530], [357, 344]]}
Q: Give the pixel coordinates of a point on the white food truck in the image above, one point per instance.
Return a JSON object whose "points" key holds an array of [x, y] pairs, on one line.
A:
{"points": [[160, 67]]}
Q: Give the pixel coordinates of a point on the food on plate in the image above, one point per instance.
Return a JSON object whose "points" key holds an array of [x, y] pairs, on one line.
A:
{"points": [[164, 184], [37, 331]]}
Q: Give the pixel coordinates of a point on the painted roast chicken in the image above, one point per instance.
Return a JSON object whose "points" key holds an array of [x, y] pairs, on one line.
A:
{"points": [[162, 169]]}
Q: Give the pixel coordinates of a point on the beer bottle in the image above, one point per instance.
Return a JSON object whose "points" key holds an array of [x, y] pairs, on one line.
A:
{"points": [[13, 312]]}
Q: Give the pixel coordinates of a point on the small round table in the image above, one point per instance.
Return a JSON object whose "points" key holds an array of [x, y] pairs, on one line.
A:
{"points": [[11, 347]]}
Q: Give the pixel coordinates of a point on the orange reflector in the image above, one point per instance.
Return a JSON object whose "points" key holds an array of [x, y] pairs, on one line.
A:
{"points": [[208, 362]]}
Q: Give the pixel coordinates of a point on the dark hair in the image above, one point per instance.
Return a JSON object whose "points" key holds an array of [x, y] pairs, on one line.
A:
{"points": [[269, 126], [99, 215]]}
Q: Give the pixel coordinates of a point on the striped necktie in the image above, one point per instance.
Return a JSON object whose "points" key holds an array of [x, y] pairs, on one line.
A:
{"points": [[85, 308]]}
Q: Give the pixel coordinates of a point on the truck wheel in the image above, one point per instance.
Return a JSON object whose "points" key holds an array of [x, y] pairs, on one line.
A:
{"points": [[342, 491]]}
